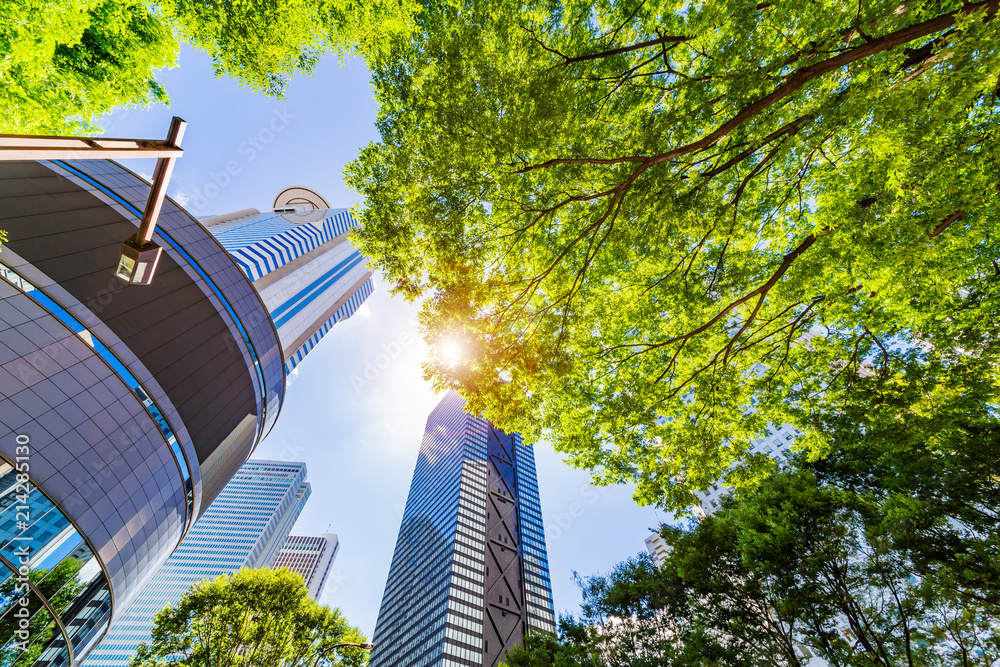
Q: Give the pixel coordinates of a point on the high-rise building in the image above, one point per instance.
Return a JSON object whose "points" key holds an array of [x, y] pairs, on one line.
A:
{"points": [[311, 557], [136, 404], [306, 271], [126, 407], [657, 547], [469, 575], [246, 526]]}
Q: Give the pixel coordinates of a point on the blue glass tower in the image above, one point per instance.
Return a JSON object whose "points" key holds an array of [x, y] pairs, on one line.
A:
{"points": [[246, 526], [307, 273], [469, 575]]}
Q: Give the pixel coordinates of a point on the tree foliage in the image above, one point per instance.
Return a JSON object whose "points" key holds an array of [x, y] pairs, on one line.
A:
{"points": [[258, 618], [881, 554], [63, 63], [263, 43], [60, 585], [572, 648], [658, 226]]}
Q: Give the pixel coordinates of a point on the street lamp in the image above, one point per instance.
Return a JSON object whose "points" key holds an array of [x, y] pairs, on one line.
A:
{"points": [[139, 255], [330, 648]]}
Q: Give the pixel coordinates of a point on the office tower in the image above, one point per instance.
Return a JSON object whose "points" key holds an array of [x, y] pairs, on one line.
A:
{"points": [[657, 547], [129, 407], [306, 271], [246, 526], [469, 575], [311, 557]]}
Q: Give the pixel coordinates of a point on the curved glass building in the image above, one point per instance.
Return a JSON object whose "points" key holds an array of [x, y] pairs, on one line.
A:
{"points": [[124, 409]]}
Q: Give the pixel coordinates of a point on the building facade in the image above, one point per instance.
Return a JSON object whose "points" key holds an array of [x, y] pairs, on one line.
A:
{"points": [[125, 409], [310, 557], [657, 547], [130, 407], [301, 263], [246, 526], [469, 576]]}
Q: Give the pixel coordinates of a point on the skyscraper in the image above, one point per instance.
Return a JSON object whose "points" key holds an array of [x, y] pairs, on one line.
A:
{"points": [[127, 407], [469, 575], [246, 526], [311, 557], [306, 271], [136, 404]]}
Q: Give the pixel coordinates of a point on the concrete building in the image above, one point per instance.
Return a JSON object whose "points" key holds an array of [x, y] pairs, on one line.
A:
{"points": [[657, 547], [311, 557], [469, 575], [246, 526], [130, 407]]}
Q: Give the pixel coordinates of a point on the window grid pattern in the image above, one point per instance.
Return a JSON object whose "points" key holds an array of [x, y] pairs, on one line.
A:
{"points": [[245, 527], [432, 612], [534, 560], [310, 557]]}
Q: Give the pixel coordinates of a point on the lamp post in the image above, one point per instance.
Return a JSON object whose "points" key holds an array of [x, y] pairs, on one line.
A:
{"points": [[330, 648], [139, 255]]}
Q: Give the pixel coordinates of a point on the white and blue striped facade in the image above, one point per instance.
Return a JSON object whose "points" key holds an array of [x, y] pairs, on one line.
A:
{"points": [[305, 269]]}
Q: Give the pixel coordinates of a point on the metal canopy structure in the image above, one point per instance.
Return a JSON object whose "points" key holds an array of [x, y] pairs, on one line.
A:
{"points": [[139, 255]]}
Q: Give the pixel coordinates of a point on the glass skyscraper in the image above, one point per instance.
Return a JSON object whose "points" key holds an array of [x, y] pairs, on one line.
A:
{"points": [[246, 526], [307, 273], [469, 575]]}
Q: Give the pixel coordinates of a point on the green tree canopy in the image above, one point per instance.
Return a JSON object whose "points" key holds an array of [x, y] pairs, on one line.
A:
{"points": [[880, 554], [254, 618], [263, 43], [574, 647], [63, 63], [643, 218]]}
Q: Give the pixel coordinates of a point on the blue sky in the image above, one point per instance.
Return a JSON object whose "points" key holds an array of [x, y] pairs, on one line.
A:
{"points": [[356, 407]]}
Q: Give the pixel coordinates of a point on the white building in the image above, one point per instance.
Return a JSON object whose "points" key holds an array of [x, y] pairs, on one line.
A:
{"points": [[311, 557], [657, 547]]}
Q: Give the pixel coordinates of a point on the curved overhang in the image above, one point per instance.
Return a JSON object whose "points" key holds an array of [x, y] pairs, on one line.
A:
{"points": [[192, 362]]}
